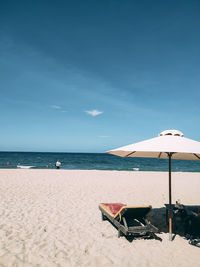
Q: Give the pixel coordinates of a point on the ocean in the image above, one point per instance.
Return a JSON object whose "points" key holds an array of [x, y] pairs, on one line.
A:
{"points": [[91, 161]]}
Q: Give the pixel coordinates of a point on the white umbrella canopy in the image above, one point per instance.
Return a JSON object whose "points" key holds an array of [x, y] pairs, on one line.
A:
{"points": [[170, 144], [170, 141]]}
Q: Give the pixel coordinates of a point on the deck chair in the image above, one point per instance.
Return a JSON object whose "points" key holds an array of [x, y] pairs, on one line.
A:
{"points": [[129, 220]]}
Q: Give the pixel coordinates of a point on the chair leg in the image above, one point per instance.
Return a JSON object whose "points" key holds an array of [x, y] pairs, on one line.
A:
{"points": [[103, 217], [119, 233]]}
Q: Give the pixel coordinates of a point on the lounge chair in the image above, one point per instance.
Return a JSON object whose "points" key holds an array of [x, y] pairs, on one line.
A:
{"points": [[129, 220]]}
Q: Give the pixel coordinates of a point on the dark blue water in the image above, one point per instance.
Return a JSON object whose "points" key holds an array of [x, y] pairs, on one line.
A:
{"points": [[92, 161]]}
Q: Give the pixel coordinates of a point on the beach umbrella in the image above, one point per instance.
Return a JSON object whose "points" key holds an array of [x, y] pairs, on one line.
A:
{"points": [[170, 144]]}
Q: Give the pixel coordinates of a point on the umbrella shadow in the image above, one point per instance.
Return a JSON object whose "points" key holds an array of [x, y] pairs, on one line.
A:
{"points": [[158, 219], [186, 225]]}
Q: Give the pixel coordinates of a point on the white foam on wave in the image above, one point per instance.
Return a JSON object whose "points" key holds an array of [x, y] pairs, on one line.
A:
{"points": [[25, 167], [136, 169]]}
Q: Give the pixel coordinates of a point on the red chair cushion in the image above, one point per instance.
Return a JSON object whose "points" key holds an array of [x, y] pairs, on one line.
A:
{"points": [[114, 207]]}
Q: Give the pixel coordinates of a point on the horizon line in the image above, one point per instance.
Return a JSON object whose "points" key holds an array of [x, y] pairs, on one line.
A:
{"points": [[16, 151]]}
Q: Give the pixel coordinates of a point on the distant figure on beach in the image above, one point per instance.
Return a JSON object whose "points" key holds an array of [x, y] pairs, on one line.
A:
{"points": [[58, 164]]}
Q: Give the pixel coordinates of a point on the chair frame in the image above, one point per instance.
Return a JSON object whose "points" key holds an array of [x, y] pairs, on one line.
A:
{"points": [[124, 224]]}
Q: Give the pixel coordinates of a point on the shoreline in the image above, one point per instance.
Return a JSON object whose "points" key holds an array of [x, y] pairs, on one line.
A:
{"points": [[90, 170]]}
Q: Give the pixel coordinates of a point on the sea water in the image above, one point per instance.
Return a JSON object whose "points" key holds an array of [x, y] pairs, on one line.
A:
{"points": [[91, 161]]}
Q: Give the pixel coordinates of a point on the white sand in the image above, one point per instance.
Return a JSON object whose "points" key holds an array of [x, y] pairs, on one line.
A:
{"points": [[51, 218]]}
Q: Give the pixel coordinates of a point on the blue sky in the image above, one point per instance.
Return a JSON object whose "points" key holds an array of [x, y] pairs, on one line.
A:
{"points": [[89, 76]]}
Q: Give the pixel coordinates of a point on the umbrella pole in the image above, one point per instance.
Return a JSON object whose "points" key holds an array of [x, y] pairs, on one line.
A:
{"points": [[170, 199]]}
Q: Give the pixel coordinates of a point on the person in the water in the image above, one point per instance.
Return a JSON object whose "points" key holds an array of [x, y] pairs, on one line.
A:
{"points": [[58, 164]]}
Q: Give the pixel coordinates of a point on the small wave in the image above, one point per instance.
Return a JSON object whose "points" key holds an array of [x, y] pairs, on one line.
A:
{"points": [[136, 169], [25, 167]]}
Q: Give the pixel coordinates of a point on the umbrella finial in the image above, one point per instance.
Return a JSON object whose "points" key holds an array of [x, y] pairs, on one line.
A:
{"points": [[171, 132]]}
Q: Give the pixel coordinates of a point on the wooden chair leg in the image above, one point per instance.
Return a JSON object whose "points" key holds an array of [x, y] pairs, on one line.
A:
{"points": [[119, 233], [103, 217]]}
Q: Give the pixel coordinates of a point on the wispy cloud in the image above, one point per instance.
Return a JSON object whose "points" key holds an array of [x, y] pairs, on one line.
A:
{"points": [[93, 112], [58, 108], [55, 107]]}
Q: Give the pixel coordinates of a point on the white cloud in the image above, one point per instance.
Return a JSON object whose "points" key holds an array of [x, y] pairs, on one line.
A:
{"points": [[93, 112], [55, 107]]}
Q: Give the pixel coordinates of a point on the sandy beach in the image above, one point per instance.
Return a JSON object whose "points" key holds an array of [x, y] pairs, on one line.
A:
{"points": [[51, 218]]}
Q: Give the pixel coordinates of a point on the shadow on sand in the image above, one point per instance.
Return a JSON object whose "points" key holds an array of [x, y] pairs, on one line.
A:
{"points": [[184, 226], [185, 223]]}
